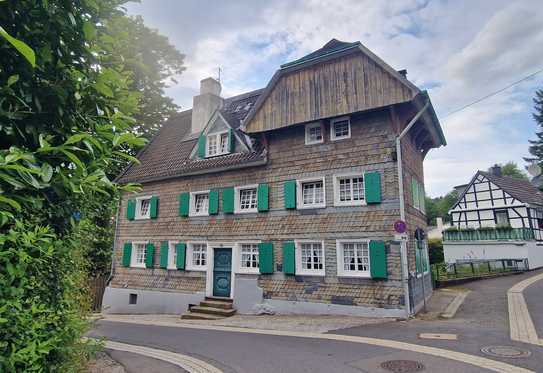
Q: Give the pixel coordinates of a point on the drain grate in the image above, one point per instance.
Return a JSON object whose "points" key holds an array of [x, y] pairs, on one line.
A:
{"points": [[403, 366], [505, 351]]}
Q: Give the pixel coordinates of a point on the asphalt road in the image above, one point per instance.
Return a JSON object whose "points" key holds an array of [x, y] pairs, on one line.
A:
{"points": [[254, 353], [534, 299]]}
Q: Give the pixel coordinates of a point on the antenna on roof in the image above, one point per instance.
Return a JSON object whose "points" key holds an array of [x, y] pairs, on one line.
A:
{"points": [[219, 77]]}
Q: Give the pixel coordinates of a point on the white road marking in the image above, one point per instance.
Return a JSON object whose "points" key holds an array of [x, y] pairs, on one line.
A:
{"points": [[451, 309], [482, 362], [521, 326]]}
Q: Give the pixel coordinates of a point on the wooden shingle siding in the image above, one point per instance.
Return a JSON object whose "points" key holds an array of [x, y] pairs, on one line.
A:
{"points": [[341, 86]]}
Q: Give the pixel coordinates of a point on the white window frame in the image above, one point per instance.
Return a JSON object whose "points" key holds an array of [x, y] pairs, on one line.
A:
{"points": [[333, 132], [192, 207], [237, 258], [342, 272], [133, 263], [299, 193], [217, 136], [308, 128], [172, 255], [189, 266], [237, 199], [138, 215], [337, 201], [298, 259]]}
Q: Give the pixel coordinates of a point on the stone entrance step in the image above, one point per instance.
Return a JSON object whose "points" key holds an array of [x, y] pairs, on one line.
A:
{"points": [[211, 308]]}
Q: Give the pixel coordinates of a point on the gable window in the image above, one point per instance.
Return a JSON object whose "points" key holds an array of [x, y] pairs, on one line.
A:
{"points": [[217, 144], [200, 203], [310, 258], [349, 190], [248, 258], [502, 218], [353, 258], [314, 133], [340, 129], [138, 255], [246, 199], [172, 256], [143, 208], [197, 256], [311, 193]]}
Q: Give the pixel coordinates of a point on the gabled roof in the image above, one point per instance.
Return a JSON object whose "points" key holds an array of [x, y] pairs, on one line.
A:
{"points": [[168, 154], [333, 46], [522, 190]]}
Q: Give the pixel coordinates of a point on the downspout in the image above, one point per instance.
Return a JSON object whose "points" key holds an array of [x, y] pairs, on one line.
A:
{"points": [[403, 243]]}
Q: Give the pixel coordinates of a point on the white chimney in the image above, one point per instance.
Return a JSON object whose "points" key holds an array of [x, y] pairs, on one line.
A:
{"points": [[205, 104]]}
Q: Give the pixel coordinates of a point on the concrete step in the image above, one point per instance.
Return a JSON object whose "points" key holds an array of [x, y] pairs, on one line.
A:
{"points": [[220, 299], [217, 304], [213, 311], [200, 316]]}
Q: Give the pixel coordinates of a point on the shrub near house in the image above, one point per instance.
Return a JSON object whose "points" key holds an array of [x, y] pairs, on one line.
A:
{"points": [[285, 196]]}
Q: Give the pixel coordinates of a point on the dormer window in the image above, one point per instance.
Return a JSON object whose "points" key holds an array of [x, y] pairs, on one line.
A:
{"points": [[217, 144], [314, 133], [340, 129]]}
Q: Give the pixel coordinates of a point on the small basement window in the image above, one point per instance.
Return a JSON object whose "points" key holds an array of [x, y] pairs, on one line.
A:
{"points": [[314, 133], [132, 298], [340, 129]]}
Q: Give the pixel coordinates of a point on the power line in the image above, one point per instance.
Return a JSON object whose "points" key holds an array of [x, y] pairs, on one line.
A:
{"points": [[491, 94]]}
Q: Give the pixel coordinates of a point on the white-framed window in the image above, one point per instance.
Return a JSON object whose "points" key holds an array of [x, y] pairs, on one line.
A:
{"points": [[246, 199], [314, 133], [353, 258], [143, 207], [349, 190], [309, 258], [172, 255], [199, 203], [248, 258], [311, 193], [217, 144], [340, 128], [197, 258], [139, 250]]}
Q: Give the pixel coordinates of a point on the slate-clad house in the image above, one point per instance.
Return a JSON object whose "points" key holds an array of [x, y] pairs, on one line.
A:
{"points": [[282, 199], [496, 217]]}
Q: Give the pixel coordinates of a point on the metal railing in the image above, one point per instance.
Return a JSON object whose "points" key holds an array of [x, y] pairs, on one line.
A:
{"points": [[476, 268], [522, 234]]}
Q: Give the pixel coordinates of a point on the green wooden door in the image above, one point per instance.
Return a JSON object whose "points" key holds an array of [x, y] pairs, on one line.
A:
{"points": [[222, 272]]}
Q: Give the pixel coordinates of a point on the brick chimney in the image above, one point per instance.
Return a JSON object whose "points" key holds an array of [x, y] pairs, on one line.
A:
{"points": [[205, 104], [496, 170]]}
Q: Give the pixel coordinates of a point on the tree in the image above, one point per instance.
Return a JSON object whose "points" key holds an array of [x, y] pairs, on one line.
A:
{"points": [[440, 206], [65, 119], [511, 169], [536, 147], [151, 59]]}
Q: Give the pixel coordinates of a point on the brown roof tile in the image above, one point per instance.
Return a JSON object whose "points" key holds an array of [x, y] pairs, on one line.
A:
{"points": [[522, 190]]}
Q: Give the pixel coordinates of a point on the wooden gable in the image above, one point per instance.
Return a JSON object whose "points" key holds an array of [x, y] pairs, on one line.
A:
{"points": [[337, 86]]}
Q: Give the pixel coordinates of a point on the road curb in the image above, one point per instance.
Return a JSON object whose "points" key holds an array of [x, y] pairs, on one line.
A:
{"points": [[453, 307]]}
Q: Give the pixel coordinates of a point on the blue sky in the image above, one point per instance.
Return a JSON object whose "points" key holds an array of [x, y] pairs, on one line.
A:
{"points": [[458, 50]]}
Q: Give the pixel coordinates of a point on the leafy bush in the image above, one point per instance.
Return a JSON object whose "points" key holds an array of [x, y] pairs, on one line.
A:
{"points": [[435, 249]]}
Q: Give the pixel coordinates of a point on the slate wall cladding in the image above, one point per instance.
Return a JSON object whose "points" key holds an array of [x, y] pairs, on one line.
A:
{"points": [[370, 148]]}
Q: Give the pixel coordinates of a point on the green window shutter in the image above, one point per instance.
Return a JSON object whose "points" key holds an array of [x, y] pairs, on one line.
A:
{"points": [[184, 204], [289, 261], [231, 141], [290, 194], [202, 146], [378, 260], [228, 200], [263, 197], [422, 198], [213, 202], [418, 261], [265, 257], [372, 187], [164, 254], [131, 209], [149, 255], [415, 192], [127, 254], [424, 260], [153, 208], [181, 251]]}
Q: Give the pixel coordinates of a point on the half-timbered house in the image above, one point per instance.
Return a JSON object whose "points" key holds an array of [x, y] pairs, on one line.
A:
{"points": [[282, 199], [496, 217]]}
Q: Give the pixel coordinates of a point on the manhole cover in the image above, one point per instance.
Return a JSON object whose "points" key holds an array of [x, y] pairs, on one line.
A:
{"points": [[402, 366], [505, 351]]}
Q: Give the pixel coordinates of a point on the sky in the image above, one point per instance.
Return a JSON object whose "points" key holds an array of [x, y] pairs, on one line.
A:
{"points": [[458, 50]]}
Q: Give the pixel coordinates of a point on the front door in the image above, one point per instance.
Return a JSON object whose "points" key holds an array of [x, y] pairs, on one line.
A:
{"points": [[222, 272]]}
